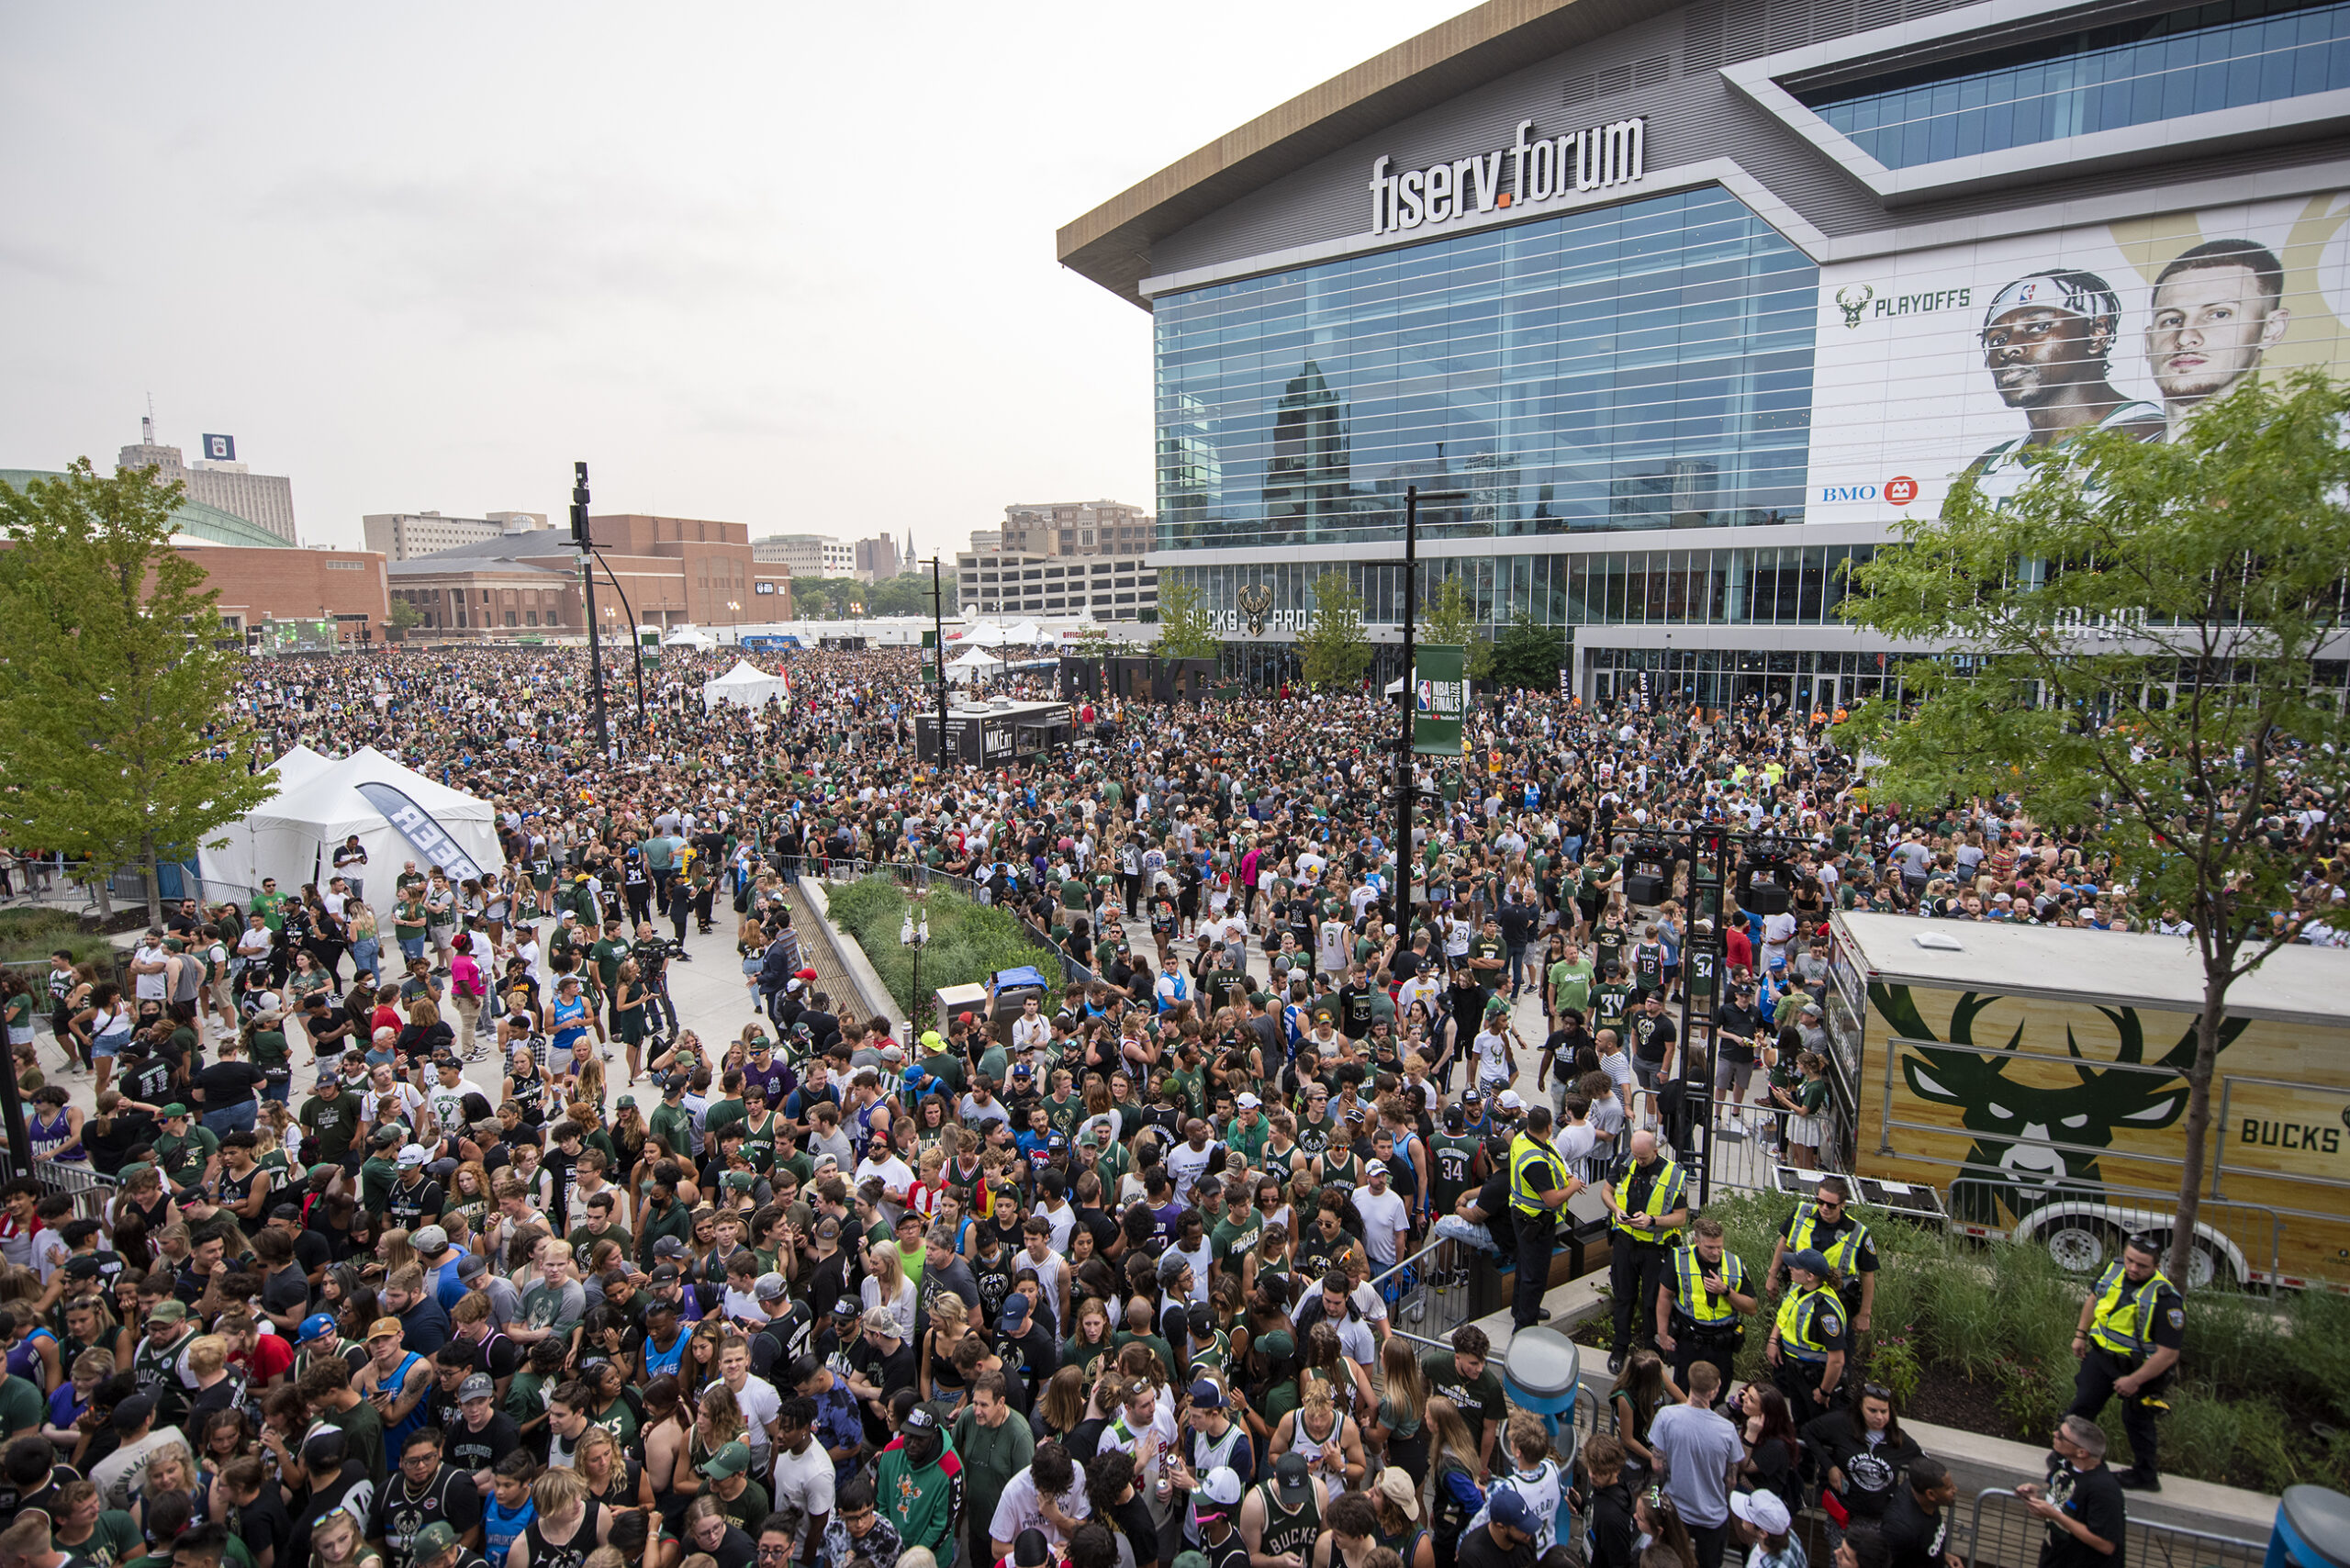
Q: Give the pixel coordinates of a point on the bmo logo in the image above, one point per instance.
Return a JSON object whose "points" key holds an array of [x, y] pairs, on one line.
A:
{"points": [[1899, 491]]}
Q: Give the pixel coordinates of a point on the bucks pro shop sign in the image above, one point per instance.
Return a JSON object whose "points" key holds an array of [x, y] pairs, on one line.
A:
{"points": [[1530, 169]]}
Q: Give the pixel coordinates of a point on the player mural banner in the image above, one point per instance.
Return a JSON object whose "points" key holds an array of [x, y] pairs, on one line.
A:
{"points": [[431, 840], [1439, 700], [1958, 359]]}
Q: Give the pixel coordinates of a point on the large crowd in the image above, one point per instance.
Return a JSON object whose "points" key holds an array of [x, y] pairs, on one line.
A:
{"points": [[1099, 1277]]}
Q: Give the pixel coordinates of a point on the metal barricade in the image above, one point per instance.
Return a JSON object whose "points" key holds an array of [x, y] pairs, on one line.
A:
{"points": [[1429, 1294], [2002, 1533], [89, 1190]]}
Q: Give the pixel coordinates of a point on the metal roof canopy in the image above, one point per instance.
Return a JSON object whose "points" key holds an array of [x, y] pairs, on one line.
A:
{"points": [[2296, 985]]}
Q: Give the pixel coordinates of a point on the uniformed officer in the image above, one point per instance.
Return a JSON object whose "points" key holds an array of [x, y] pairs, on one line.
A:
{"points": [[2131, 1328], [1645, 1211], [1826, 1225], [1699, 1306], [1539, 1187], [1807, 1347]]}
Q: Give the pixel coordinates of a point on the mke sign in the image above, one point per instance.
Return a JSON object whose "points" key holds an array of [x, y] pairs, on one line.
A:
{"points": [[1538, 170]]}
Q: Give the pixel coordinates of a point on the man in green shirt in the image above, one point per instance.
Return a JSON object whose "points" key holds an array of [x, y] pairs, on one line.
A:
{"points": [[331, 1118], [610, 952], [670, 1121], [1570, 982], [186, 1153]]}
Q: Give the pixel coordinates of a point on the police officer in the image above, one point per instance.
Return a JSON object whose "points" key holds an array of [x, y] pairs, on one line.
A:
{"points": [[2131, 1328], [1646, 1210], [1807, 1347], [1700, 1303], [1825, 1224], [1539, 1187]]}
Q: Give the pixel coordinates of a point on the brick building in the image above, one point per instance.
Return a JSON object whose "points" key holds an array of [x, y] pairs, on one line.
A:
{"points": [[675, 571]]}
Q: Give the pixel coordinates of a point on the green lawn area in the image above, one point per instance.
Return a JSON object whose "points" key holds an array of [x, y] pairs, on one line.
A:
{"points": [[968, 942]]}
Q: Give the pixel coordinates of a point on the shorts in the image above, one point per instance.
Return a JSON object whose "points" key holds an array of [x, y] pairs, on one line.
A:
{"points": [[1647, 1072], [108, 1045], [1734, 1076]]}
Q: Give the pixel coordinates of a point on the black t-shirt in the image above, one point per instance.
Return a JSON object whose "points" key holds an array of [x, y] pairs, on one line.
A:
{"points": [[890, 1371], [1733, 1019], [400, 1513], [1655, 1035], [263, 1525], [1480, 1550], [1915, 1538], [470, 1451], [226, 1084], [2096, 1499]]}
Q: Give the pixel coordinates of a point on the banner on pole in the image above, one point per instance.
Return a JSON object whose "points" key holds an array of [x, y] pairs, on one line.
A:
{"points": [[1439, 700]]}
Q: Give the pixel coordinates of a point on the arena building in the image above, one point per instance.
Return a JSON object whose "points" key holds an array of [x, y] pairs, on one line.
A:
{"points": [[1675, 309]]}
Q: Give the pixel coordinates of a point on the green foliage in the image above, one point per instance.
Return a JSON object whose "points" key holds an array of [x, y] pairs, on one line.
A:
{"points": [[1450, 620], [908, 593], [2131, 640], [1333, 647], [809, 603], [1185, 630], [968, 942], [112, 685], [405, 616], [1528, 656], [29, 934], [2319, 1322]]}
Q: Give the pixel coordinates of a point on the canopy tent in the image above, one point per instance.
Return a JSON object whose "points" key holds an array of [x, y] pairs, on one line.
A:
{"points": [[1027, 635], [399, 813], [974, 664], [986, 635], [745, 685], [687, 637]]}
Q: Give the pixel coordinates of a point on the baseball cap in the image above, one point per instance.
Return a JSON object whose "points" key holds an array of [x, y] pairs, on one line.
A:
{"points": [[769, 1287], [433, 1541], [412, 1158], [1207, 1395], [1376, 1168], [1394, 1485], [920, 1420], [431, 1241], [480, 1386], [130, 1412], [472, 1265], [1763, 1510], [1292, 1474], [175, 1109], [881, 1320], [168, 1310], [1015, 1315], [84, 1267], [1247, 1101], [1810, 1259], [1221, 1485], [666, 1273], [1471, 1096], [842, 1306], [318, 1326], [287, 1211], [385, 1325], [1508, 1101], [1509, 1508], [731, 1459]]}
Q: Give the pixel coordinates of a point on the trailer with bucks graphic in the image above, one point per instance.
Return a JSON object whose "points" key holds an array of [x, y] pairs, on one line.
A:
{"points": [[2037, 1078]]}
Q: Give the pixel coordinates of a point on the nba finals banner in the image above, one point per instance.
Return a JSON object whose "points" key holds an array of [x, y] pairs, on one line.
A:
{"points": [[1961, 360]]}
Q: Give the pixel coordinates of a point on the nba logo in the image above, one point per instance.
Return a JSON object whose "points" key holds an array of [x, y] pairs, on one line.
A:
{"points": [[220, 448]]}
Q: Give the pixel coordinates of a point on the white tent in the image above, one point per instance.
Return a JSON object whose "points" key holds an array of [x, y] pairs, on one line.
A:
{"points": [[1027, 635], [973, 665], [687, 637], [745, 685], [399, 813], [986, 635]]}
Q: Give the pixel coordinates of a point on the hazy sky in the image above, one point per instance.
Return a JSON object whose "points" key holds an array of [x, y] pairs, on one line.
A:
{"points": [[789, 265]]}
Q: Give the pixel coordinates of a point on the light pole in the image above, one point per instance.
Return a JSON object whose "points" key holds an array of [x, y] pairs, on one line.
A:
{"points": [[1410, 691], [915, 937], [938, 637]]}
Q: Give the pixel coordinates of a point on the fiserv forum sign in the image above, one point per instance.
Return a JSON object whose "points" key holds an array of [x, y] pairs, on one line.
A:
{"points": [[1539, 169]]}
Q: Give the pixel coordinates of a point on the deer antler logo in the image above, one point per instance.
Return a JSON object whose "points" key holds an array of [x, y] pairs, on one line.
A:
{"points": [[1257, 601], [2034, 1145], [1852, 308]]}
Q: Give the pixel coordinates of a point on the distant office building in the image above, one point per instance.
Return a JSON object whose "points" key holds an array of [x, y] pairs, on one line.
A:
{"points": [[405, 535], [878, 560], [808, 554], [220, 482], [1076, 528], [986, 541], [525, 584], [1117, 588]]}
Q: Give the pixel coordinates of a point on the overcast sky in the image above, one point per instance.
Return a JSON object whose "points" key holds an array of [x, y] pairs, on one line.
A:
{"points": [[787, 265]]}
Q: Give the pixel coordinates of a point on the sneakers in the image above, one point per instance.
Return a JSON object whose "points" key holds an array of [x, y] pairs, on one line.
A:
{"points": [[1615, 1363]]}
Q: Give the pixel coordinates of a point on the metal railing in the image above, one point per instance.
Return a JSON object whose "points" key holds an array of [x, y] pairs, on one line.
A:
{"points": [[1436, 1289], [89, 1189], [2002, 1533], [919, 879]]}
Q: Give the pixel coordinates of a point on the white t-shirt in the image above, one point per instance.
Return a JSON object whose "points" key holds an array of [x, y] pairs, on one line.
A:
{"points": [[1383, 1214], [1493, 1059], [760, 1404], [1022, 1506], [803, 1482], [1063, 1225]]}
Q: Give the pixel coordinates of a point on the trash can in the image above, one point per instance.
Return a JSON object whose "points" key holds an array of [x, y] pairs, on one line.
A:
{"points": [[2312, 1529]]}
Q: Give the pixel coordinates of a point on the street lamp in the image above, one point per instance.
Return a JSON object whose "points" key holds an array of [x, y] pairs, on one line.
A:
{"points": [[912, 935]]}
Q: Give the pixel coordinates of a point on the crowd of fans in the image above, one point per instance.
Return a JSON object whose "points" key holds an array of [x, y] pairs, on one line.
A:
{"points": [[431, 1239]]}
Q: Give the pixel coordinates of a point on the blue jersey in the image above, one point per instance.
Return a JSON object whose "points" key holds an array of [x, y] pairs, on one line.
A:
{"points": [[500, 1528]]}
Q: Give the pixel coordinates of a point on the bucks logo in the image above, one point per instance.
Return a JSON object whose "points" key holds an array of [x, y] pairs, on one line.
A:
{"points": [[1256, 601], [1852, 306], [2033, 1144]]}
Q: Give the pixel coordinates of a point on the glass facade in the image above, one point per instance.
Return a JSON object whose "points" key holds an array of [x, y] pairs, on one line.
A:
{"points": [[1790, 585], [2190, 61], [1645, 365], [1797, 678]]}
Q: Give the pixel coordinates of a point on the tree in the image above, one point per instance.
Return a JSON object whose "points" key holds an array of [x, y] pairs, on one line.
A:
{"points": [[808, 601], [405, 616], [114, 679], [1450, 620], [1528, 656], [908, 594], [1332, 647], [1185, 628], [2133, 636]]}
